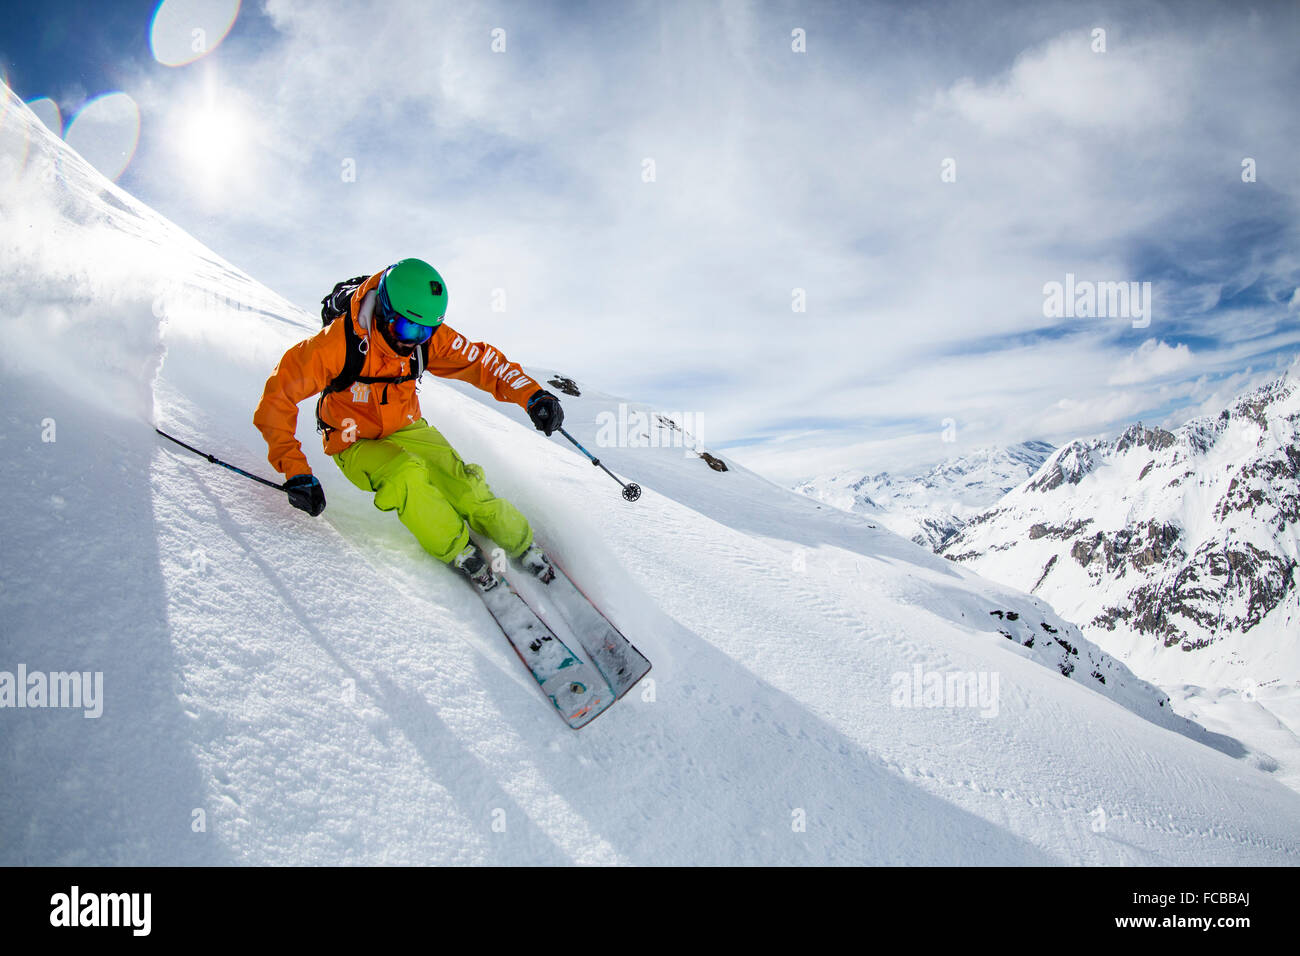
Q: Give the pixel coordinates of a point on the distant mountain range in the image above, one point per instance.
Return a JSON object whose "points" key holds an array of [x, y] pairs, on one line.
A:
{"points": [[1175, 550], [930, 507]]}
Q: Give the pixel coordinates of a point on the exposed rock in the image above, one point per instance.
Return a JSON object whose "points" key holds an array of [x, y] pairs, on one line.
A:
{"points": [[1070, 465], [566, 385], [1154, 439], [1051, 563], [1141, 546], [1062, 531]]}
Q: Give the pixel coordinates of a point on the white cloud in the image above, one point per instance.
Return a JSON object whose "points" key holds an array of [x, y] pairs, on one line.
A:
{"points": [[775, 170], [1152, 359]]}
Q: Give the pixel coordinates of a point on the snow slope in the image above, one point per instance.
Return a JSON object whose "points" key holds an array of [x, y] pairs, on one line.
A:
{"points": [[932, 505], [282, 689]]}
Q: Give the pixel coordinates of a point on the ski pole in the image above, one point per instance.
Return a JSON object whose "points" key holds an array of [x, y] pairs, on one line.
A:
{"points": [[631, 490], [217, 461]]}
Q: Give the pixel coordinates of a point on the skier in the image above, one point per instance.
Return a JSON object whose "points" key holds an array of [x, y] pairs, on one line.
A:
{"points": [[369, 415]]}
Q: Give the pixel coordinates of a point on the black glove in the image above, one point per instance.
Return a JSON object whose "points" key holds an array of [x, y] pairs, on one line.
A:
{"points": [[545, 411], [306, 494]]}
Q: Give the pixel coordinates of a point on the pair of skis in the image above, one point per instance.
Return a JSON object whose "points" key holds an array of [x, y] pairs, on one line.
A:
{"points": [[580, 692]]}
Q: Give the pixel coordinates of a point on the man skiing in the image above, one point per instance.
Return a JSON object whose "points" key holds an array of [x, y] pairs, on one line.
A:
{"points": [[370, 417]]}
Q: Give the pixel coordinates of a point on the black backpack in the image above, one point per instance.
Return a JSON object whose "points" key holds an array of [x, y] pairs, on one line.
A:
{"points": [[337, 305]]}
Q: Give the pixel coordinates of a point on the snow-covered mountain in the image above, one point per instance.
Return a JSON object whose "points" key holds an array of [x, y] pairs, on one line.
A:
{"points": [[932, 505], [1175, 550], [1182, 544], [282, 689]]}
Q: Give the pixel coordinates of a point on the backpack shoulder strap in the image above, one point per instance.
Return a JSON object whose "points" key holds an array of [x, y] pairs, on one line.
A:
{"points": [[355, 350]]}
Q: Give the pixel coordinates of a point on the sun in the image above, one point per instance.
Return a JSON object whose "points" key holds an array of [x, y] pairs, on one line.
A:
{"points": [[212, 141]]}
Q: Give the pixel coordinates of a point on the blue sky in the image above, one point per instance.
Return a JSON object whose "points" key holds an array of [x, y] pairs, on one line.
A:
{"points": [[48, 52], [521, 173]]}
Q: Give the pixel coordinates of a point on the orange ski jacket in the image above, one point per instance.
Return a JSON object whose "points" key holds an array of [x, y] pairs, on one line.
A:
{"points": [[370, 410]]}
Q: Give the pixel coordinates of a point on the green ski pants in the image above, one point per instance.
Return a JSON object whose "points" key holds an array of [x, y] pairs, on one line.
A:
{"points": [[416, 472]]}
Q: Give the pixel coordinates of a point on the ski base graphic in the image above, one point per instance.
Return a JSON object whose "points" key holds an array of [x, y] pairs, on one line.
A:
{"points": [[564, 608], [579, 693]]}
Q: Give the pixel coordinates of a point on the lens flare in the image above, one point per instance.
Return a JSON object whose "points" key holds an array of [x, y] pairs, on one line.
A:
{"points": [[48, 112], [105, 132], [183, 31]]}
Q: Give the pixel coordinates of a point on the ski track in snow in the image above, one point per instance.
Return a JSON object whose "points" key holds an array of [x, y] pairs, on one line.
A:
{"points": [[324, 692]]}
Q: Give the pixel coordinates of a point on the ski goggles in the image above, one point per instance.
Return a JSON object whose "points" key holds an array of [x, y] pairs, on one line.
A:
{"points": [[403, 329]]}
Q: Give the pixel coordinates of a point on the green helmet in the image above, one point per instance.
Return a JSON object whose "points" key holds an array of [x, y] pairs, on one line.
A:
{"points": [[412, 289]]}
